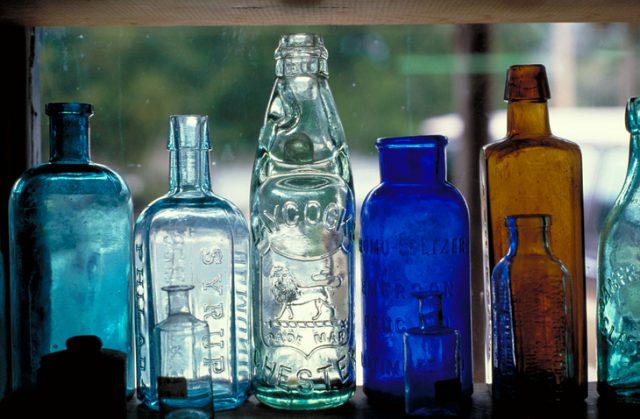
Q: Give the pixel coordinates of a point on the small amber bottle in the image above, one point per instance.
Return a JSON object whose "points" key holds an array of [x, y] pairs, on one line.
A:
{"points": [[531, 171]]}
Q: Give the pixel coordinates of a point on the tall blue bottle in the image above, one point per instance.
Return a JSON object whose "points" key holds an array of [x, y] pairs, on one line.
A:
{"points": [[191, 237], [414, 237], [70, 225], [618, 315]]}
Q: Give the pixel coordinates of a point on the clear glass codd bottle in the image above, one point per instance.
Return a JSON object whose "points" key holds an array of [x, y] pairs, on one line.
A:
{"points": [[70, 227], [531, 171], [302, 221], [532, 336], [190, 236], [432, 362], [618, 314], [184, 373], [414, 237]]}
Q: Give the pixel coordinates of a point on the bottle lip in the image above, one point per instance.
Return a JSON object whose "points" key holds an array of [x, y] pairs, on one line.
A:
{"points": [[632, 115], [180, 287], [417, 141], [188, 132], [527, 82], [73, 108]]}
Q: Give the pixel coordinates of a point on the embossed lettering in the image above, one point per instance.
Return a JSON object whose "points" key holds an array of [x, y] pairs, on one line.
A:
{"points": [[214, 284], [282, 378], [215, 311], [211, 256], [305, 384], [216, 364]]}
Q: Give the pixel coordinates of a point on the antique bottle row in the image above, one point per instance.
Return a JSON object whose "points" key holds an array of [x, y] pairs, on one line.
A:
{"points": [[218, 310]]}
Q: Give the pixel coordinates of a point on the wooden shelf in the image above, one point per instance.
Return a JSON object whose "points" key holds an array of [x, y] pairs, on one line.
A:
{"points": [[309, 12]]}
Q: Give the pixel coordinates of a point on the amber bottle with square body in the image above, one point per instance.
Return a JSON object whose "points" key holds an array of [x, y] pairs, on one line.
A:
{"points": [[531, 171]]}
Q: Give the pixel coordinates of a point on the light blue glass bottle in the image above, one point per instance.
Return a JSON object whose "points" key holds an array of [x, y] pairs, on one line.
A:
{"points": [[618, 315], [70, 225], [302, 221], [4, 334], [192, 237]]}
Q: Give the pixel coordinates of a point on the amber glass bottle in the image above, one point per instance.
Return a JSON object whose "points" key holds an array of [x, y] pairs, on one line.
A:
{"points": [[531, 171]]}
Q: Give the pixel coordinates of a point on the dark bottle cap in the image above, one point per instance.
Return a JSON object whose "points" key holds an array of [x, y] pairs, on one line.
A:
{"points": [[632, 115], [527, 82], [84, 380]]}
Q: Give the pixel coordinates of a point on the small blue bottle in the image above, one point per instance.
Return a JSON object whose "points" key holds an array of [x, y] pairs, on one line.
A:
{"points": [[431, 362], [70, 227], [193, 238], [414, 237]]}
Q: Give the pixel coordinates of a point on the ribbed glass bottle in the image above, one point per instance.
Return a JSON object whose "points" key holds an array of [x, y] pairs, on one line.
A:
{"points": [[533, 353], [302, 220], [192, 237], [70, 225], [531, 171], [618, 315], [414, 237]]}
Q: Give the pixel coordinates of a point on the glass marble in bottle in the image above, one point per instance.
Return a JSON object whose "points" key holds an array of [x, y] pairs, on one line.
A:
{"points": [[618, 295], [182, 361], [302, 220], [532, 337], [70, 225], [432, 362], [193, 237], [414, 237]]}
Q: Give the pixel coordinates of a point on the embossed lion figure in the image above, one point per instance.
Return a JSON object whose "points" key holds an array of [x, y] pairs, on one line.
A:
{"points": [[288, 293]]}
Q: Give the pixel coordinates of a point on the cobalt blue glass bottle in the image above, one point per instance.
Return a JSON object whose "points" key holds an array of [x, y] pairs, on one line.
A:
{"points": [[414, 237], [191, 237], [618, 315], [70, 225], [532, 332]]}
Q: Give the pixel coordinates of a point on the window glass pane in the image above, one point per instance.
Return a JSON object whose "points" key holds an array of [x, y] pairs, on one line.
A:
{"points": [[387, 81]]}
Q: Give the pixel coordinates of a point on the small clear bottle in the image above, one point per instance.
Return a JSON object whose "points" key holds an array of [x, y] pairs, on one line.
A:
{"points": [[532, 336], [432, 362], [183, 364]]}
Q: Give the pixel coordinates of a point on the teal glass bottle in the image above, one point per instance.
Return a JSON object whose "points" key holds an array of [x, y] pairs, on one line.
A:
{"points": [[302, 222], [191, 237], [70, 225], [618, 295], [4, 334]]}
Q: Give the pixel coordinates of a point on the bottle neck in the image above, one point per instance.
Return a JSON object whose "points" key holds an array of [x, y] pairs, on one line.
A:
{"points": [[69, 138], [178, 300], [413, 164], [189, 172], [528, 118], [429, 309], [528, 235]]}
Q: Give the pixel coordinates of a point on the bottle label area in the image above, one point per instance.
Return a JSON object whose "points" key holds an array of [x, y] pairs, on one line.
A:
{"points": [[305, 303]]}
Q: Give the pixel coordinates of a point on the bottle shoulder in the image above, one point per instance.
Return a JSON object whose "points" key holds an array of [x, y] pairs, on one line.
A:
{"points": [[516, 145], [414, 195], [60, 178], [207, 206]]}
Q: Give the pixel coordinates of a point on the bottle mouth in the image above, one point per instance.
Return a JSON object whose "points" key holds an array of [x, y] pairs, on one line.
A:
{"points": [[632, 115], [72, 108], [527, 82], [528, 220], [418, 141], [188, 132], [301, 44]]}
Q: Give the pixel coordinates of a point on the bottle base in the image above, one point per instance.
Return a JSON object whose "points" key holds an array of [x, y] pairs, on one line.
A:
{"points": [[611, 394], [227, 403], [296, 400]]}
